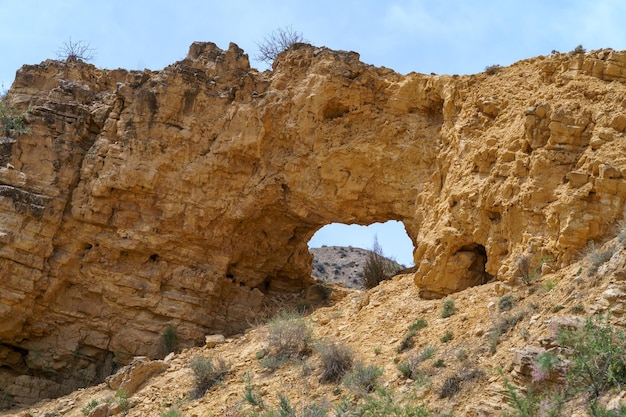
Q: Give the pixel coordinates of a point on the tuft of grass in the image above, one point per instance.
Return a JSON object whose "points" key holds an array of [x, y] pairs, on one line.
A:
{"points": [[363, 379], [447, 308], [207, 372], [502, 326], [439, 363], [548, 285], [447, 337], [407, 341], [336, 360], [90, 406], [597, 257], [173, 412]]}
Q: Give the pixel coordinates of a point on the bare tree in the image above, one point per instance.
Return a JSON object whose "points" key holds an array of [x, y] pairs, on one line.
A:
{"points": [[276, 42], [75, 51]]}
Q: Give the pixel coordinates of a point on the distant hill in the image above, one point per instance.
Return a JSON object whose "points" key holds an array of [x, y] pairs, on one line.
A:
{"points": [[341, 265]]}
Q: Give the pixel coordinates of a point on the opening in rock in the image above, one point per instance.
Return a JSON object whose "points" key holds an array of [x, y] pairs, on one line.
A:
{"points": [[477, 259], [340, 251]]}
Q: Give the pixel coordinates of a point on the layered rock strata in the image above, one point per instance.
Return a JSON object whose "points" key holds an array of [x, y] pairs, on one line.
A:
{"points": [[184, 197]]}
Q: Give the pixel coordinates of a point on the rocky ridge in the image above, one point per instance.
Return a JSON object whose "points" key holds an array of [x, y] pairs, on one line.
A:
{"points": [[186, 197]]}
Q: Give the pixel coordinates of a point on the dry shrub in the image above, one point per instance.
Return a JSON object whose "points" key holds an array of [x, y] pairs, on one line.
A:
{"points": [[336, 360]]}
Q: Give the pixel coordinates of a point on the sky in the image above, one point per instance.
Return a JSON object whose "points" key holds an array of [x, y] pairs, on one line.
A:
{"points": [[438, 36]]}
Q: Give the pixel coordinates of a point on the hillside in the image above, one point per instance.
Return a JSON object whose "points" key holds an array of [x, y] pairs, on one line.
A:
{"points": [[476, 348], [342, 265], [141, 211]]}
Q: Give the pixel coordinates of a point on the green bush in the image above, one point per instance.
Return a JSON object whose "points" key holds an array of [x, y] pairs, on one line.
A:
{"points": [[447, 308], [447, 337], [598, 356], [336, 360], [207, 372], [579, 50], [363, 379], [11, 119], [384, 403], [169, 338]]}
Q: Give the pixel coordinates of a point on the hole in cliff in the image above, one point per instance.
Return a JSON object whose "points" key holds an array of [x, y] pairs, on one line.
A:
{"points": [[339, 250], [476, 272]]}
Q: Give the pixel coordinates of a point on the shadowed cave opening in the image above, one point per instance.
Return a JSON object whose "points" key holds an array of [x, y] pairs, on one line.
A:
{"points": [[339, 249]]}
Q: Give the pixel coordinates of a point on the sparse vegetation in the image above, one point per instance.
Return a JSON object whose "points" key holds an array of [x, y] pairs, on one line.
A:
{"points": [[377, 267], [76, 51], [446, 337], [439, 363], [502, 325], [173, 412], [579, 50], [548, 285], [278, 41], [288, 336], [122, 400], [207, 372], [506, 302], [447, 308], [598, 257], [493, 69], [336, 360], [407, 341], [90, 406], [169, 338], [12, 121], [363, 379]]}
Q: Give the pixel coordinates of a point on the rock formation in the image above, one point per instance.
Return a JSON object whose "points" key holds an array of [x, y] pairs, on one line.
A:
{"points": [[184, 197]]}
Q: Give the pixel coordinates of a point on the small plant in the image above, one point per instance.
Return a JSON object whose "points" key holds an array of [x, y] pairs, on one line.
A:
{"points": [[288, 335], [598, 257], [506, 302], [169, 338], [276, 42], [577, 309], [447, 308], [173, 412], [122, 399], [90, 406], [544, 365], [450, 387], [407, 341], [557, 308], [384, 403], [502, 326], [579, 50], [363, 379], [378, 350], [493, 69], [75, 51], [548, 285], [336, 360], [525, 272], [251, 394], [461, 354], [11, 119], [427, 353], [207, 372], [439, 363], [447, 337]]}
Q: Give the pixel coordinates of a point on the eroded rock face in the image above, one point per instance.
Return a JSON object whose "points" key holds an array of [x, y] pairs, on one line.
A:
{"points": [[185, 196]]}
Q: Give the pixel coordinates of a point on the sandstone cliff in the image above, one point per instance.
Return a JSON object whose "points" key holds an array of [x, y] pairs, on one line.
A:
{"points": [[187, 196]]}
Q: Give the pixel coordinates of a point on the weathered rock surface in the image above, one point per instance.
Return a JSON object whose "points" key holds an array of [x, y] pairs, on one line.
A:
{"points": [[185, 196]]}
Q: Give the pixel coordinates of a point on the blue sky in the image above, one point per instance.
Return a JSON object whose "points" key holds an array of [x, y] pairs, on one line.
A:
{"points": [[440, 36]]}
